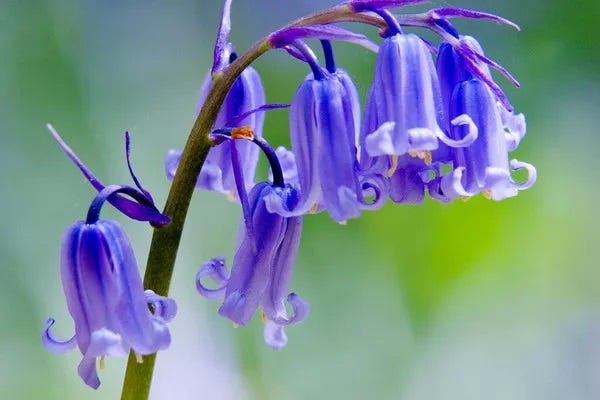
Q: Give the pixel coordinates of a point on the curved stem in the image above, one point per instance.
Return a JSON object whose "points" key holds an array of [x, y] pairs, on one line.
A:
{"points": [[165, 241]]}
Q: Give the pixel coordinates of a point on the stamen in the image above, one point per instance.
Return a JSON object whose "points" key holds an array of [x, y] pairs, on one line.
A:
{"points": [[138, 358], [314, 208], [394, 166], [101, 362], [487, 193], [243, 132], [263, 317], [423, 155]]}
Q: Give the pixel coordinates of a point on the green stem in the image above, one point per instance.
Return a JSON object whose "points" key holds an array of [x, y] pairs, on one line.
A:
{"points": [[165, 240]]}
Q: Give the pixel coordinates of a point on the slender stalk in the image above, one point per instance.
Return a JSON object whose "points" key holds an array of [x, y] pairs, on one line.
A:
{"points": [[165, 240]]}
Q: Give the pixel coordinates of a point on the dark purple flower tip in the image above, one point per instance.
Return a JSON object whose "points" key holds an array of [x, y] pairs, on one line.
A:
{"points": [[372, 5], [450, 12], [140, 210], [106, 299], [288, 36]]}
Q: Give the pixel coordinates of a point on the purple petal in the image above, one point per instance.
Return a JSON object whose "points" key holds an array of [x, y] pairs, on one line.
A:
{"points": [[221, 53], [287, 36], [87, 372], [217, 271], [135, 322], [274, 335], [449, 12], [370, 5], [54, 345], [164, 308]]}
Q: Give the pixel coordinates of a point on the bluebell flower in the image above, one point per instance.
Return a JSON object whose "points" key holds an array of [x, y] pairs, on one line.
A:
{"points": [[483, 166], [105, 296], [262, 267], [405, 91], [246, 94]]}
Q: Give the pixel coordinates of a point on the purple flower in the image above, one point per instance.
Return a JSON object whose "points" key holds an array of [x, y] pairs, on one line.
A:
{"points": [[105, 296], [262, 267], [246, 94], [483, 166], [405, 92]]}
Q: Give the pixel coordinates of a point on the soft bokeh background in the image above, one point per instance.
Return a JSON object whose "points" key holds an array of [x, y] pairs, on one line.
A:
{"points": [[473, 300]]}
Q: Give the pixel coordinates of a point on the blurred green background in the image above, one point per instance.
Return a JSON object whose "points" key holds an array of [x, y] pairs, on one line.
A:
{"points": [[473, 300]]}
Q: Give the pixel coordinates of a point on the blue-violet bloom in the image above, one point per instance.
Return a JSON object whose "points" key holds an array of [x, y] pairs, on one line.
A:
{"points": [[105, 296], [262, 267], [483, 166]]}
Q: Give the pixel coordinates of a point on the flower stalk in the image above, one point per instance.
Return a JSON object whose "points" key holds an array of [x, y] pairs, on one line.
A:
{"points": [[165, 241]]}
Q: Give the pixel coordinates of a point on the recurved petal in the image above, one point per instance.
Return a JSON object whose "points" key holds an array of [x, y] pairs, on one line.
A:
{"points": [[51, 343], [216, 270], [164, 308]]}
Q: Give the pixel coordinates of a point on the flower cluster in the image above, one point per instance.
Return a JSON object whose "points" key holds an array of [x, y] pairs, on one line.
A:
{"points": [[434, 122]]}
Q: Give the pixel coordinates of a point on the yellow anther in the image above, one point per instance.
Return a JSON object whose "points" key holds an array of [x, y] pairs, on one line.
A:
{"points": [[394, 166], [487, 194], [243, 132], [139, 358], [263, 316], [424, 155], [101, 362], [314, 208]]}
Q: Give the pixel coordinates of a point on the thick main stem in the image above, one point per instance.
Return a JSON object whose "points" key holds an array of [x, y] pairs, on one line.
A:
{"points": [[165, 241]]}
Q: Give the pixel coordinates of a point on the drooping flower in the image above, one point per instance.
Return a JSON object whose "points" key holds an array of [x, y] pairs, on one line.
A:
{"points": [[105, 296], [405, 91], [483, 166], [264, 260], [324, 123], [246, 94]]}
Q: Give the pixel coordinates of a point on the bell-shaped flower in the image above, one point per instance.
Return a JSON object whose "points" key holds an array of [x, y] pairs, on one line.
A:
{"points": [[246, 94], [405, 91], [323, 135], [483, 166], [105, 297], [262, 267]]}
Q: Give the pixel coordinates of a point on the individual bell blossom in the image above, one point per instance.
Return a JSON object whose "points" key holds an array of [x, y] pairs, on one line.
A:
{"points": [[110, 309], [405, 91], [266, 251], [452, 71], [483, 166], [262, 268], [246, 94]]}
